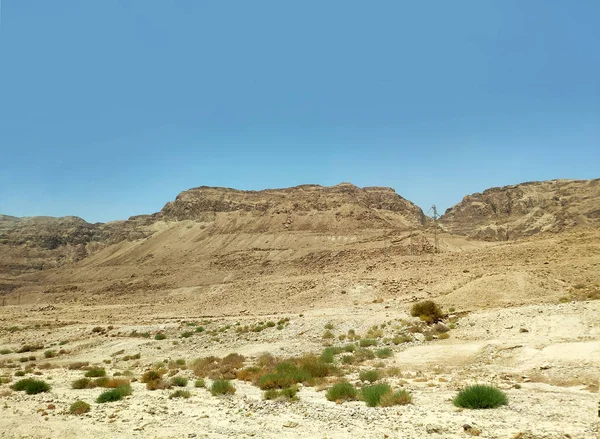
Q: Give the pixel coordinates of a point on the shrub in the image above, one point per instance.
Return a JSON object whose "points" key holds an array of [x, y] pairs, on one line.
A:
{"points": [[369, 375], [384, 353], [329, 326], [366, 342], [200, 383], [95, 372], [328, 334], [186, 334], [400, 397], [428, 311], [180, 394], [50, 354], [399, 339], [20, 373], [444, 336], [160, 336], [5, 351], [480, 396], [79, 408], [371, 395], [200, 329], [341, 392], [115, 394], [179, 381], [288, 393], [349, 348], [82, 383], [222, 387], [31, 386]]}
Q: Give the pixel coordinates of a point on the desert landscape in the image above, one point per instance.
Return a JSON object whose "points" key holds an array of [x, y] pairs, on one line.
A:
{"points": [[307, 312]]}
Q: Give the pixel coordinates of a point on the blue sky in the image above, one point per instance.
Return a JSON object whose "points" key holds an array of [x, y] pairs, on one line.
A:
{"points": [[110, 108]]}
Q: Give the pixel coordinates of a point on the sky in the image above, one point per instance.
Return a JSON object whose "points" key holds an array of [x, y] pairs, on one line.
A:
{"points": [[111, 108]]}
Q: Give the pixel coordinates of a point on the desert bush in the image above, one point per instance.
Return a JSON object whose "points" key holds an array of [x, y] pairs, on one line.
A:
{"points": [[79, 408], [371, 395], [222, 387], [444, 336], [95, 372], [428, 311], [31, 386], [288, 393], [160, 336], [366, 342], [115, 394], [20, 373], [399, 339], [480, 396], [328, 335], [50, 354], [384, 353], [374, 332], [179, 381], [200, 383], [186, 334], [363, 355], [341, 392], [400, 397], [215, 368], [180, 394], [82, 383], [5, 351], [369, 375], [349, 347]]}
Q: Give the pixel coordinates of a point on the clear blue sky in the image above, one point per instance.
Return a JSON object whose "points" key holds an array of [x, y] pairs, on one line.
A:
{"points": [[111, 108]]}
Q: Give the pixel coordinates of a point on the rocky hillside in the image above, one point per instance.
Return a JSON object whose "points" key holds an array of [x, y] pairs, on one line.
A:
{"points": [[525, 209], [343, 207]]}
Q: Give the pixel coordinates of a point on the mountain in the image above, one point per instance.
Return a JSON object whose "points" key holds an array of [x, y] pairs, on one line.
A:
{"points": [[525, 209]]}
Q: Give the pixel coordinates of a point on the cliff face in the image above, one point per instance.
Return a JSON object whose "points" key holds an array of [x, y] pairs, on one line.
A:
{"points": [[308, 207], [525, 209]]}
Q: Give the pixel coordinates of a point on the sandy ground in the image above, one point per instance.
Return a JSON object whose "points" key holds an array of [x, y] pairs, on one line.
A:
{"points": [[556, 365]]}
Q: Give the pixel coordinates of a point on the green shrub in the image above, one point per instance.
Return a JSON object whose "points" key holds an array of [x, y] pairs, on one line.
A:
{"points": [[115, 394], [371, 395], [369, 375], [384, 353], [79, 408], [82, 383], [5, 351], [31, 386], [222, 387], [399, 339], [288, 393], [200, 383], [95, 372], [180, 394], [186, 334], [200, 329], [366, 342], [349, 348], [20, 373], [400, 397], [428, 311], [329, 326], [160, 336], [341, 392], [480, 396], [271, 394], [179, 381], [328, 334], [50, 354]]}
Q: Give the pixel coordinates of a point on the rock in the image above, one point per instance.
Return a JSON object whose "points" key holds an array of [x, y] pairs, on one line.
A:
{"points": [[523, 330], [419, 337], [291, 424]]}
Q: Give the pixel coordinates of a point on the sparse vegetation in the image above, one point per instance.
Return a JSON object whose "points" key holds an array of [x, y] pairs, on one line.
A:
{"points": [[79, 408], [366, 342], [200, 383], [222, 387], [31, 386], [384, 353], [428, 311], [95, 372], [372, 394], [369, 375], [115, 394], [341, 392], [400, 397], [179, 381], [160, 336], [480, 396], [180, 394]]}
